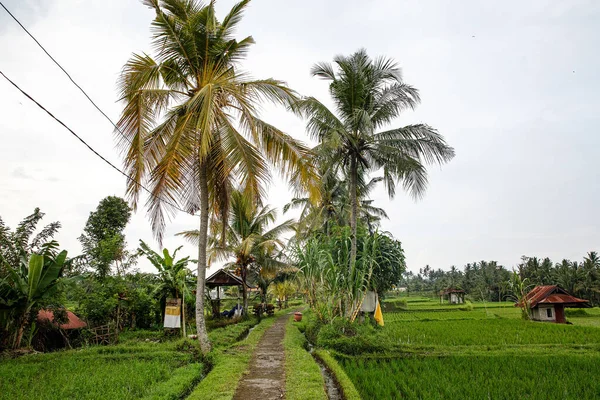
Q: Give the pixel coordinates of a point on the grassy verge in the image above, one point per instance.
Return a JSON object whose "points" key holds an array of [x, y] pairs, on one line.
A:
{"points": [[303, 379], [344, 382], [130, 370], [230, 362]]}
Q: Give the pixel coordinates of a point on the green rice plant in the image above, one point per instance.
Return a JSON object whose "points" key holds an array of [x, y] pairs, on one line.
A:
{"points": [[487, 332], [476, 377], [125, 371]]}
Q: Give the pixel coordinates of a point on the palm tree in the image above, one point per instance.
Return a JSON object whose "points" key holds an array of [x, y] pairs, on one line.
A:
{"points": [[368, 95], [190, 126], [249, 240], [173, 276]]}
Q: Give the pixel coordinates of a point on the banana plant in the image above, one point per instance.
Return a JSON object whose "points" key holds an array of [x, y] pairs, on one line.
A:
{"points": [[31, 282], [175, 278]]}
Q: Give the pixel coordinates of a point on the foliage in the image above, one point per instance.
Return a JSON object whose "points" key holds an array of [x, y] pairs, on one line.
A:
{"points": [[335, 287], [103, 241], [570, 376], [29, 286], [490, 281], [282, 291], [250, 239], [389, 266], [368, 95], [174, 278], [303, 379], [130, 299], [191, 127], [21, 242], [135, 369]]}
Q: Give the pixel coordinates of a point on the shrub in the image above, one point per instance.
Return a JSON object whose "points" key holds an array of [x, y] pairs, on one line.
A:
{"points": [[352, 338], [468, 306]]}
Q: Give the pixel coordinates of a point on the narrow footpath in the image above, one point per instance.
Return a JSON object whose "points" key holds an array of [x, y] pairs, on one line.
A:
{"points": [[265, 379]]}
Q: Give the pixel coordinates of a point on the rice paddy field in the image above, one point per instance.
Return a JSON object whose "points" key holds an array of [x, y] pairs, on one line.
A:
{"points": [[479, 351], [134, 369]]}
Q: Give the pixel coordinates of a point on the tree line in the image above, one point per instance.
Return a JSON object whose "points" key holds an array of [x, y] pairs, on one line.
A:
{"points": [[488, 280]]}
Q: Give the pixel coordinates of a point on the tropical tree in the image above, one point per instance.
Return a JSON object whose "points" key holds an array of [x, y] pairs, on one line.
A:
{"points": [[20, 243], [190, 126], [103, 241], [368, 95], [29, 284], [250, 239], [174, 278]]}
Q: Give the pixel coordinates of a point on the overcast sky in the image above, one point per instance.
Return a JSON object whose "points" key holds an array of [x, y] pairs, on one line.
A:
{"points": [[512, 85]]}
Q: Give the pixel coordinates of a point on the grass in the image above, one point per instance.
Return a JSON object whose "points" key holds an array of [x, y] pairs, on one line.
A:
{"points": [[303, 379], [476, 377], [429, 351], [230, 361], [346, 385], [131, 370]]}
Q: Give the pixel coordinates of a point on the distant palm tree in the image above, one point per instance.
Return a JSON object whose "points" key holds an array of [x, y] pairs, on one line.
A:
{"points": [[368, 95], [249, 239], [190, 123]]}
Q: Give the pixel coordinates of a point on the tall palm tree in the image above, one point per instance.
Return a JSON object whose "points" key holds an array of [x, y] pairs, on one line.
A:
{"points": [[249, 239], [190, 125], [368, 95]]}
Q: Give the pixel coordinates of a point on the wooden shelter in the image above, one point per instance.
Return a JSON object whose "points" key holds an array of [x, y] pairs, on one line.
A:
{"points": [[452, 296], [547, 303], [219, 279], [50, 335], [73, 322]]}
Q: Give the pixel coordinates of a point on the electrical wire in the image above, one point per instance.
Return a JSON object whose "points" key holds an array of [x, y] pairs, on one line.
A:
{"points": [[65, 71], [90, 147]]}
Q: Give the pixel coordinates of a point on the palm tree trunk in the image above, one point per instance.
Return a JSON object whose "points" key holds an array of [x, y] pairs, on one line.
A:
{"points": [[245, 290], [202, 242], [354, 210]]}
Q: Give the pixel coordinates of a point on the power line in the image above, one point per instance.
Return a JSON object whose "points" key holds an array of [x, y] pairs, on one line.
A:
{"points": [[90, 147], [65, 71]]}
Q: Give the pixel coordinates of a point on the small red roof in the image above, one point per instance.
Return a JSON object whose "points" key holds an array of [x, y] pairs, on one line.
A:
{"points": [[551, 294], [74, 321]]}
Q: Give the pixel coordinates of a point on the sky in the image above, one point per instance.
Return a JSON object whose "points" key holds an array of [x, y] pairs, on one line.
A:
{"points": [[512, 86]]}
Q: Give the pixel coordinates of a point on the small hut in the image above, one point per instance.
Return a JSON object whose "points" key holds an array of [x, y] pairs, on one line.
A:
{"points": [[547, 303], [51, 335], [452, 296], [219, 279]]}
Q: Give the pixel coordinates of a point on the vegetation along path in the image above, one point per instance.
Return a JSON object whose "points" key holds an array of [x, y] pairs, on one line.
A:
{"points": [[265, 378]]}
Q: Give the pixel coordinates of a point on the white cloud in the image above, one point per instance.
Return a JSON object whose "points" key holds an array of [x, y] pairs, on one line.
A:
{"points": [[496, 78]]}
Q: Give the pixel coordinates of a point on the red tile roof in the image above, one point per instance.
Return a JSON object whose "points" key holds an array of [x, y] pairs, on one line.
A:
{"points": [[74, 321], [551, 294]]}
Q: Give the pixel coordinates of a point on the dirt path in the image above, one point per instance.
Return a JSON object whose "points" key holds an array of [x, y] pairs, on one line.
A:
{"points": [[266, 378]]}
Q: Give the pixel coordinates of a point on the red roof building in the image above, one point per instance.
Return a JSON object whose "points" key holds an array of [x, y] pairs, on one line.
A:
{"points": [[547, 303], [74, 321]]}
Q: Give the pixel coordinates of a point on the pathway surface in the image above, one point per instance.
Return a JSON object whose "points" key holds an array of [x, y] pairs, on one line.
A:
{"points": [[265, 379]]}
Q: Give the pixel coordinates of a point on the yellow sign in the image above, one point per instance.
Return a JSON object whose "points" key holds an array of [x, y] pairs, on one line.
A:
{"points": [[170, 310], [173, 313]]}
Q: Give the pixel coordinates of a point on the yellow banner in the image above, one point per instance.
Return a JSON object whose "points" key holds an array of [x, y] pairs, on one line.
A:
{"points": [[170, 310]]}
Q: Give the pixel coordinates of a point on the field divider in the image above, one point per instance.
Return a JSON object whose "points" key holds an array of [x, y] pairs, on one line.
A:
{"points": [[346, 386]]}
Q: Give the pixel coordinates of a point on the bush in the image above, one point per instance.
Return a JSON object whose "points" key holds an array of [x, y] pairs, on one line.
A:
{"points": [[579, 312], [352, 338], [468, 306]]}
